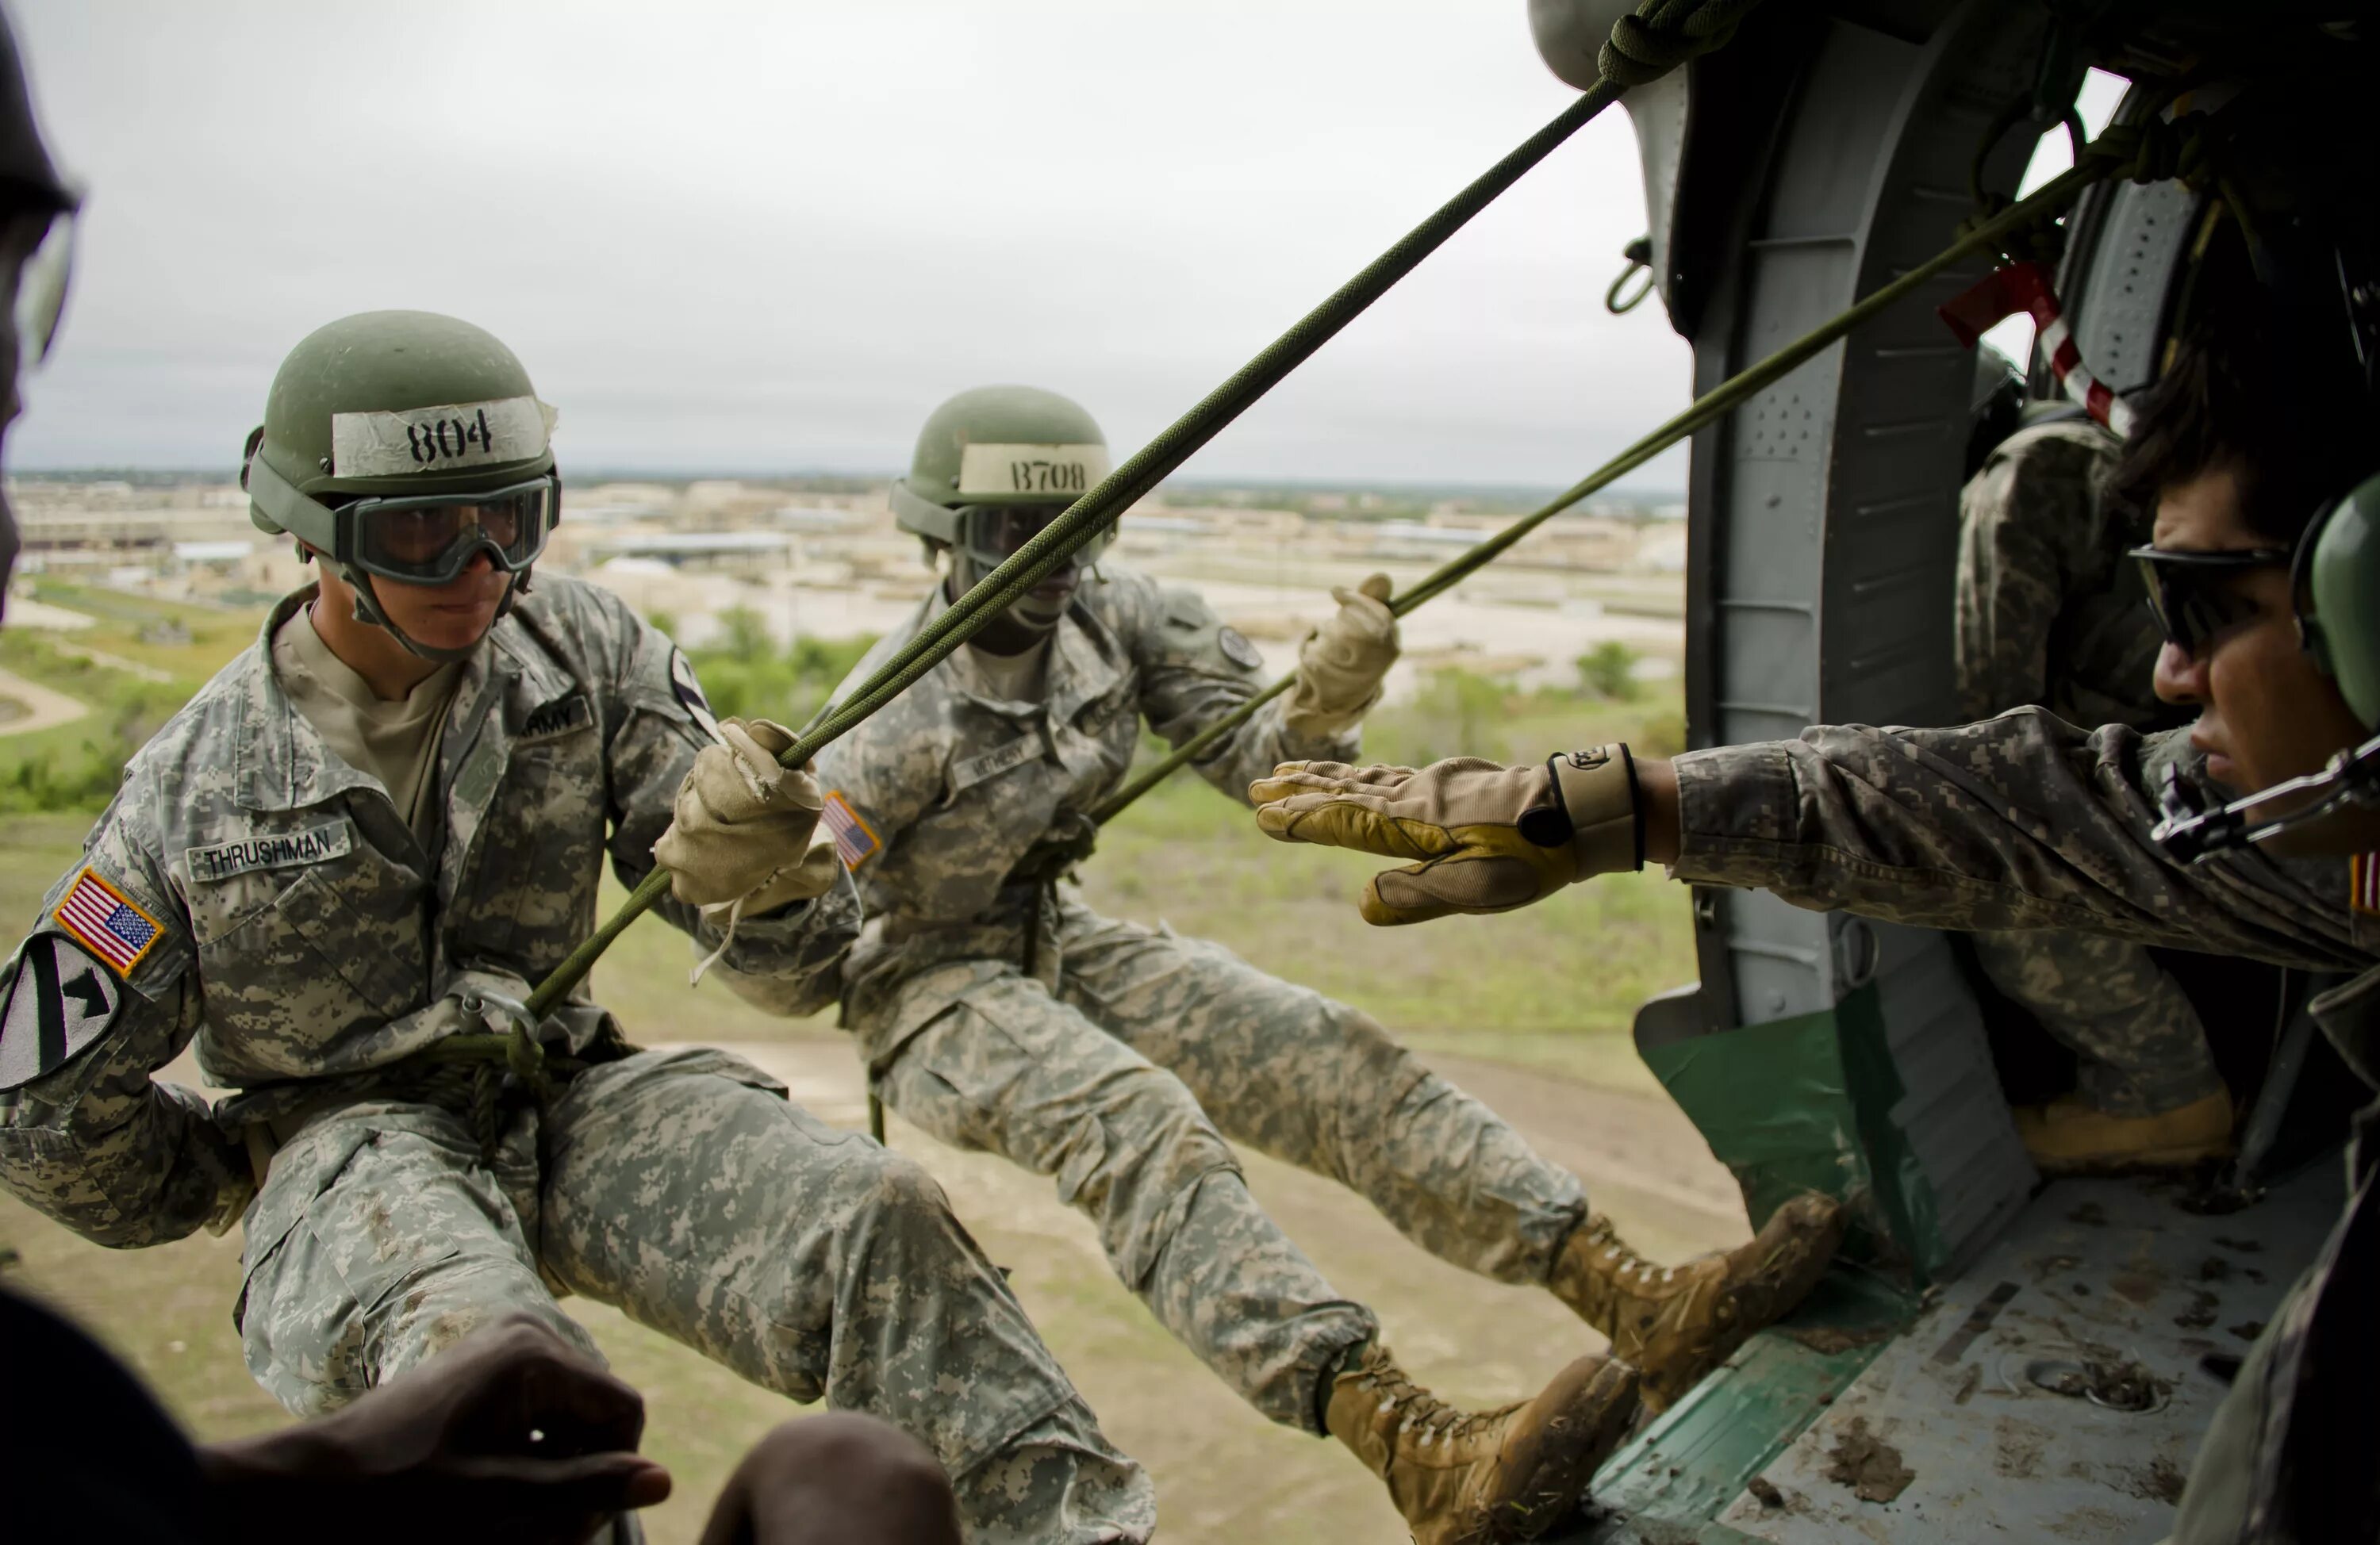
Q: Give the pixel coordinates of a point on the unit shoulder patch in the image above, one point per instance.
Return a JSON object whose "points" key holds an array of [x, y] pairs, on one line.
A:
{"points": [[854, 840], [59, 1002], [106, 921]]}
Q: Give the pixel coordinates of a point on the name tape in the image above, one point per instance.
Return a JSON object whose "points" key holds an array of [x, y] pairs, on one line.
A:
{"points": [[1066, 472], [433, 438], [278, 850]]}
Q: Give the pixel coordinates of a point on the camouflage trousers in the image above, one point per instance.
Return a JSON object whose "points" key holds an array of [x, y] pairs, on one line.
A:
{"points": [[684, 1189], [2143, 1051], [1129, 1080]]}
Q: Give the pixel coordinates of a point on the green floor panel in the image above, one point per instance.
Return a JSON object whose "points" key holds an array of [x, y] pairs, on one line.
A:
{"points": [[1664, 1487]]}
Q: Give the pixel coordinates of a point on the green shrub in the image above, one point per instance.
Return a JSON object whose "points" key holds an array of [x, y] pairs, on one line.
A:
{"points": [[1607, 671]]}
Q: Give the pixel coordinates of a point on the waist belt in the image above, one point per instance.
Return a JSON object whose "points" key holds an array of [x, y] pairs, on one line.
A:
{"points": [[515, 1062]]}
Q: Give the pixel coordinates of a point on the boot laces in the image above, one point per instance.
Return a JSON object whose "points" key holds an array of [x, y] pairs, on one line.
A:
{"points": [[1633, 1276], [1419, 1409]]}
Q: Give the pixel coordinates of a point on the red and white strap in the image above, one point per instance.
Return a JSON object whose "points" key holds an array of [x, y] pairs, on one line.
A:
{"points": [[2028, 287]]}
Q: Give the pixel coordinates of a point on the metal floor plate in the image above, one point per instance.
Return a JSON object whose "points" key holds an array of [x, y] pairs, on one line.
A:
{"points": [[2000, 1415]]}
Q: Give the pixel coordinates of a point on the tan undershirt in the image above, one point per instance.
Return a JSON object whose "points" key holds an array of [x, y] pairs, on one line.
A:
{"points": [[1016, 678], [396, 742]]}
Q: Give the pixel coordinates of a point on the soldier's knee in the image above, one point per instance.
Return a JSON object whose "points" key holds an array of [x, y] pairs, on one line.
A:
{"points": [[1372, 1070], [856, 1477], [887, 1183]]}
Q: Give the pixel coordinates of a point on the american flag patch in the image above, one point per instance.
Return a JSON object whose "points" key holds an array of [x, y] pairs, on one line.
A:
{"points": [[2364, 884], [104, 922], [854, 840]]}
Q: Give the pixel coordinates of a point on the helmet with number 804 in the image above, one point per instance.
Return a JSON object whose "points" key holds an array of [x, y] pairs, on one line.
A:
{"points": [[399, 446], [995, 464]]}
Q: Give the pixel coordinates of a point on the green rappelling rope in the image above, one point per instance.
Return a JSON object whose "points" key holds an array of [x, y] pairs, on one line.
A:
{"points": [[1660, 35], [2113, 151]]}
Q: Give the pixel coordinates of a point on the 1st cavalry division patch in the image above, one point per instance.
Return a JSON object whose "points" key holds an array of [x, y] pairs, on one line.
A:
{"points": [[60, 1001]]}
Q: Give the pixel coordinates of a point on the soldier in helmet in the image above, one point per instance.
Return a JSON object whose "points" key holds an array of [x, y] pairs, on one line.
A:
{"points": [[338, 870], [1125, 1061], [2264, 569]]}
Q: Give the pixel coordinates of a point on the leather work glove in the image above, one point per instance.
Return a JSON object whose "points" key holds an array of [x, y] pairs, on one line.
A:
{"points": [[746, 829], [1487, 837], [1341, 663]]}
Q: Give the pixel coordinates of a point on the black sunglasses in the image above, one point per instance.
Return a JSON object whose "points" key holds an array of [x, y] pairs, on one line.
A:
{"points": [[2190, 594]]}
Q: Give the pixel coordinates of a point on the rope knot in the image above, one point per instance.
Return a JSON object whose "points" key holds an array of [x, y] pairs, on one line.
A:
{"points": [[1659, 35]]}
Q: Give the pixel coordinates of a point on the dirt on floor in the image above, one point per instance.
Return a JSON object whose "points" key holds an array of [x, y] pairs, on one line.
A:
{"points": [[1222, 1472]]}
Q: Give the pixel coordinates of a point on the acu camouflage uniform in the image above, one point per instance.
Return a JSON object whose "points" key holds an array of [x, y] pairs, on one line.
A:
{"points": [[2026, 822], [2050, 614], [311, 946], [1127, 1063]]}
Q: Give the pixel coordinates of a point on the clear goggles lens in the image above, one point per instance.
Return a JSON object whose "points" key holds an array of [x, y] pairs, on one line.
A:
{"points": [[2190, 594], [995, 533], [430, 538], [42, 290]]}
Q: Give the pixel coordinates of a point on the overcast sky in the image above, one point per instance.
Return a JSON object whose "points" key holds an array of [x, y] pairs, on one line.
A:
{"points": [[771, 237]]}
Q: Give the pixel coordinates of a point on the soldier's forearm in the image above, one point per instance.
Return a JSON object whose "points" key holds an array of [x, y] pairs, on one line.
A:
{"points": [[161, 1172], [1657, 793]]}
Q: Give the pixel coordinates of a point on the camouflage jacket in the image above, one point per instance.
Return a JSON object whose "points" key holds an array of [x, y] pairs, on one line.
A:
{"points": [[944, 792], [2049, 610], [249, 890], [2025, 822]]}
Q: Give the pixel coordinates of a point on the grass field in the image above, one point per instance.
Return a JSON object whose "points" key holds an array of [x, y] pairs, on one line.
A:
{"points": [[1548, 991]]}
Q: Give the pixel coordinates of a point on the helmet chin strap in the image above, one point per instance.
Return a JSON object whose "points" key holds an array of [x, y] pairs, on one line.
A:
{"points": [[368, 610]]}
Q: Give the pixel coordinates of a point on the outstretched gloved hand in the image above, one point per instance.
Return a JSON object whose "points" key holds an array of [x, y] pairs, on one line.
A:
{"points": [[744, 828], [1341, 663], [1487, 839]]}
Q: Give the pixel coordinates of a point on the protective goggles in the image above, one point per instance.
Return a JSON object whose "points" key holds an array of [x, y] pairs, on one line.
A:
{"points": [[993, 533], [2191, 593], [430, 538]]}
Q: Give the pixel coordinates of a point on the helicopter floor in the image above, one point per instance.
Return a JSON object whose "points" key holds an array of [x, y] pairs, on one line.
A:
{"points": [[2056, 1389]]}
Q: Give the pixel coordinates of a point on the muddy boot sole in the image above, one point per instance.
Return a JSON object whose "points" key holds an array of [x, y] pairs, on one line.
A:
{"points": [[1587, 1410]]}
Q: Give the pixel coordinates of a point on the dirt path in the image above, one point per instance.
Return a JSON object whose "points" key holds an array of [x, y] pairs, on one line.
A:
{"points": [[45, 709]]}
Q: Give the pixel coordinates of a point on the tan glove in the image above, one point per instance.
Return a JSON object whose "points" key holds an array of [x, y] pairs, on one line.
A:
{"points": [[1341, 663], [746, 829], [1488, 837]]}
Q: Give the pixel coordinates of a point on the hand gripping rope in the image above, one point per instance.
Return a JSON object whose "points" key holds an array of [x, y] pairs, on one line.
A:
{"points": [[1659, 36]]}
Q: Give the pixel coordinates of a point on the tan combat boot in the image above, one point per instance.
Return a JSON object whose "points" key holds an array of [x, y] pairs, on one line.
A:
{"points": [[1466, 1479], [2067, 1137], [1676, 1323]]}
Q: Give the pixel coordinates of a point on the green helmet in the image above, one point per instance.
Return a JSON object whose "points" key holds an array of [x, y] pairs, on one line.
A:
{"points": [[2337, 586], [999, 448], [405, 414]]}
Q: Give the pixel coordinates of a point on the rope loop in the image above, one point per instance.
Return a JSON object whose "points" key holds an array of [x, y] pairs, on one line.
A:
{"points": [[1638, 255], [1659, 35]]}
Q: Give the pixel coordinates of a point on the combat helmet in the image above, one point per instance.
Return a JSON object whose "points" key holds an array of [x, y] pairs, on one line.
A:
{"points": [[400, 444], [996, 449]]}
